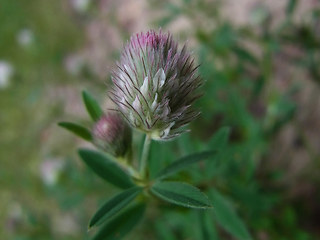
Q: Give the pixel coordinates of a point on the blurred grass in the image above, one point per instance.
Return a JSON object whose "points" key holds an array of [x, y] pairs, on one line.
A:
{"points": [[27, 112], [24, 106]]}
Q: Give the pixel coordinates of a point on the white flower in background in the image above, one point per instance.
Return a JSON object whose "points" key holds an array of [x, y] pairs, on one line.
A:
{"points": [[6, 72], [50, 170], [15, 216], [80, 5], [74, 64], [259, 14], [65, 224], [25, 37]]}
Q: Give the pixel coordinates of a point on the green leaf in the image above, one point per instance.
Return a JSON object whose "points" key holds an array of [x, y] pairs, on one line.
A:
{"points": [[207, 226], [181, 194], [219, 139], [184, 163], [163, 231], [291, 6], [218, 142], [77, 130], [118, 227], [106, 168], [114, 205], [244, 55], [92, 106], [227, 218]]}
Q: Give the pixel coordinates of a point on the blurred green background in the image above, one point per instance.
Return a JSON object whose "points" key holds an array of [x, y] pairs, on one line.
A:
{"points": [[260, 61]]}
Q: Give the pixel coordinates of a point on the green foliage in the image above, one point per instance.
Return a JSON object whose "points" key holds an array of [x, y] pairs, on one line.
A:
{"points": [[250, 72], [181, 194], [207, 226], [226, 216], [184, 163], [219, 139], [77, 130], [291, 6], [106, 168], [114, 205], [122, 224], [92, 106]]}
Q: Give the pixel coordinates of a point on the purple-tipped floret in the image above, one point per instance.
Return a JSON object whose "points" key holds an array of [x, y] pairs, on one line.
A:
{"points": [[155, 85]]}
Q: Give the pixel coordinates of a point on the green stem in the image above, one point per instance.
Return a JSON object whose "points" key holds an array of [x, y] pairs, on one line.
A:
{"points": [[144, 157], [124, 163]]}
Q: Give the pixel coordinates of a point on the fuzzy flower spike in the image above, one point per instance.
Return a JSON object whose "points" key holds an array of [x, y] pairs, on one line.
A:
{"points": [[155, 85]]}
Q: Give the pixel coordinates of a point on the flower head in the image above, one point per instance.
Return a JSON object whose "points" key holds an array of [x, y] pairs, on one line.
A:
{"points": [[154, 85], [112, 134]]}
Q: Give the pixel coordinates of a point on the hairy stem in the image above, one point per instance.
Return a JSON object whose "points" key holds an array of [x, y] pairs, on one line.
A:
{"points": [[144, 157]]}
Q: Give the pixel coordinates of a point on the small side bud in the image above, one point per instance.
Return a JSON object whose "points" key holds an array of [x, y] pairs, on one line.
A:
{"points": [[112, 134]]}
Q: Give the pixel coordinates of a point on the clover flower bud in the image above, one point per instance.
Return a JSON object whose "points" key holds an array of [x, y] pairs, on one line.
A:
{"points": [[112, 134], [155, 85]]}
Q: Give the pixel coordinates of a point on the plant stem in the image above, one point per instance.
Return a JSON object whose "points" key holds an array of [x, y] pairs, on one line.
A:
{"points": [[144, 157], [124, 163]]}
